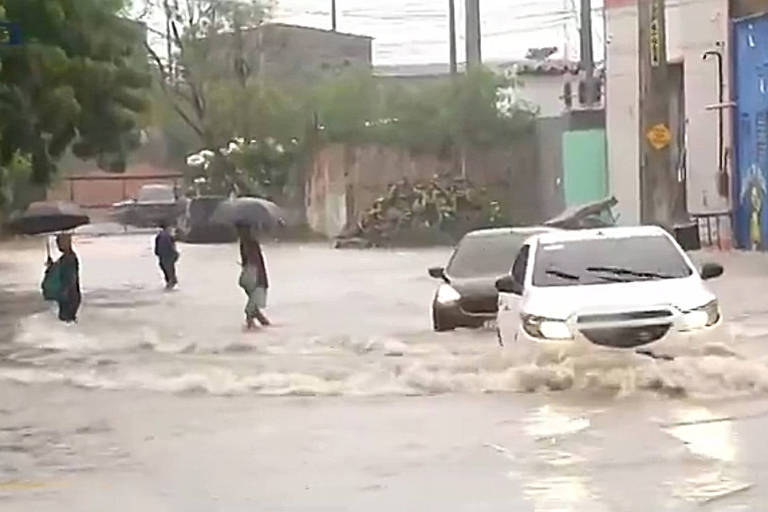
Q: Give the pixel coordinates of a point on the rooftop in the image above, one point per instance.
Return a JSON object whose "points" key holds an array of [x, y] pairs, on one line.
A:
{"points": [[309, 29]]}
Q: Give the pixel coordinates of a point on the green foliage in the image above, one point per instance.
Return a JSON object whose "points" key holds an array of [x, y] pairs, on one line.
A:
{"points": [[15, 183], [353, 108], [190, 75], [74, 82], [254, 167], [255, 112], [468, 110], [448, 206], [344, 105]]}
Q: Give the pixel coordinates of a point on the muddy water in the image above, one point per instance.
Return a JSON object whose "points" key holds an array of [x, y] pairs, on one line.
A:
{"points": [[374, 408], [346, 323]]}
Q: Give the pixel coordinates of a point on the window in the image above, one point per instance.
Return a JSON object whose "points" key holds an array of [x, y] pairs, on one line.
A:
{"points": [[486, 255], [521, 263], [608, 260]]}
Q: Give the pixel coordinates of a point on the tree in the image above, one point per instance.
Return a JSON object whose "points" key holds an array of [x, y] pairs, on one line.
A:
{"points": [[77, 81], [14, 180], [197, 33], [470, 110]]}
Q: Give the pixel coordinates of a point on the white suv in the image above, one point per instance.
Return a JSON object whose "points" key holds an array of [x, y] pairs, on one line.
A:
{"points": [[614, 288]]}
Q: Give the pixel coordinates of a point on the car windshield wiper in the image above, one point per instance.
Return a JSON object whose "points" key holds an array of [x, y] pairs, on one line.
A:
{"points": [[620, 271], [562, 275]]}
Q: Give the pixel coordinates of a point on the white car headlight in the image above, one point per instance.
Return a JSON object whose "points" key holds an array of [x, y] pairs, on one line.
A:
{"points": [[699, 318], [546, 328], [446, 294]]}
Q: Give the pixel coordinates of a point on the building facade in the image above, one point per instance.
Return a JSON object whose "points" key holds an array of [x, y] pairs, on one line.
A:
{"points": [[694, 27], [750, 101], [282, 53]]}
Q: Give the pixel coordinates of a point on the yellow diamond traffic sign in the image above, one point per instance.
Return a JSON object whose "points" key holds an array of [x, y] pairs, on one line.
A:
{"points": [[659, 136]]}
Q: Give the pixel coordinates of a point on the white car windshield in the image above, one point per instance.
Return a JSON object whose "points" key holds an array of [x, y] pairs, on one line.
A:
{"points": [[608, 260]]}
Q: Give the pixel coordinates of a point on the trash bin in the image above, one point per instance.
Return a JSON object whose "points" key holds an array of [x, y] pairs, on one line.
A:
{"points": [[687, 235]]}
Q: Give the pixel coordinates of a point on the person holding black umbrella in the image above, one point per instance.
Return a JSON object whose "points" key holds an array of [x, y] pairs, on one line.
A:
{"points": [[253, 277], [67, 266], [251, 215]]}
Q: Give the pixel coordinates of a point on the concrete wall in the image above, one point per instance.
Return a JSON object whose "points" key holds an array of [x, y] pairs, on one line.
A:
{"points": [[344, 181], [693, 27], [289, 53], [622, 98], [543, 91], [744, 8], [549, 134], [96, 188]]}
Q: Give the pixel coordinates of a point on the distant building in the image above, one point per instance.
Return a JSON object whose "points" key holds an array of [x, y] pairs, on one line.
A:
{"points": [[540, 82], [285, 53]]}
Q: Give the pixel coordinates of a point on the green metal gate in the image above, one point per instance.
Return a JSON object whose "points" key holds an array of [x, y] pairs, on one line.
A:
{"points": [[584, 166]]}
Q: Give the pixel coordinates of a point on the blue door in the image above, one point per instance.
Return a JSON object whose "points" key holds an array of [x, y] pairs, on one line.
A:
{"points": [[751, 176]]}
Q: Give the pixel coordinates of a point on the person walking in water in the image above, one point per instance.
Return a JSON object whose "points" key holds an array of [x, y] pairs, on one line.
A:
{"points": [[167, 255], [68, 267], [253, 277]]}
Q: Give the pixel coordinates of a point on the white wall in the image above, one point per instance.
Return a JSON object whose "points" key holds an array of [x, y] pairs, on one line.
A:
{"points": [[544, 91], [693, 27], [622, 123], [702, 26]]}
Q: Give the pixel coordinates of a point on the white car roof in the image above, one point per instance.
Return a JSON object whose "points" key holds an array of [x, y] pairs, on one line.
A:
{"points": [[517, 231], [600, 233]]}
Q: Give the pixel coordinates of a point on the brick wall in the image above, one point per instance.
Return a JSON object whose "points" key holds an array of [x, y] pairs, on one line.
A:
{"points": [[344, 181], [96, 188]]}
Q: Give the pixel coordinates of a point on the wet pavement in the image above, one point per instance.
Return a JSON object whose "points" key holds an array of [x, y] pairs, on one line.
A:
{"points": [[160, 401]]}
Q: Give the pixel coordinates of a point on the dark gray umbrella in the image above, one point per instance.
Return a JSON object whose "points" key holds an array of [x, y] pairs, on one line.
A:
{"points": [[48, 217], [249, 211]]}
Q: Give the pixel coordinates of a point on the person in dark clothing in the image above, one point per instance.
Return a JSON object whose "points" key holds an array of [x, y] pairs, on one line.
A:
{"points": [[69, 296], [167, 255], [253, 277]]}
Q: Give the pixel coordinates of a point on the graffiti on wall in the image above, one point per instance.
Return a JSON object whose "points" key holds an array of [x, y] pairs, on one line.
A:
{"points": [[752, 200], [750, 209]]}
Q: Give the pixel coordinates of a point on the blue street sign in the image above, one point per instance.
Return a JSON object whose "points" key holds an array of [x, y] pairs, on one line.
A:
{"points": [[10, 33]]}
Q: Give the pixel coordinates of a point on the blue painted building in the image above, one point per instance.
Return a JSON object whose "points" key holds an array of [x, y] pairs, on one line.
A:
{"points": [[750, 177]]}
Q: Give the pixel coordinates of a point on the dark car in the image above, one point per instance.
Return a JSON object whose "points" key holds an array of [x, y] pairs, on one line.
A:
{"points": [[468, 296], [195, 224], [155, 203]]}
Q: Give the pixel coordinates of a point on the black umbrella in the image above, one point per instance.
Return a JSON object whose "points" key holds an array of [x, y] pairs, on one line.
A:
{"points": [[48, 217], [249, 211]]}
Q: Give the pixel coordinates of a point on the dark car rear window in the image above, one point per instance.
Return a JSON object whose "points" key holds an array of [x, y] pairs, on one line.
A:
{"points": [[486, 255], [608, 260]]}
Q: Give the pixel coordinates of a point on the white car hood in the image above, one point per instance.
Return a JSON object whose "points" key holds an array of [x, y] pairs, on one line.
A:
{"points": [[561, 302]]}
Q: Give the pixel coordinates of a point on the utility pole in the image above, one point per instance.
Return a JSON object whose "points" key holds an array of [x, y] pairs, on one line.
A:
{"points": [[474, 52], [588, 87], [658, 180], [587, 48], [452, 35], [333, 15]]}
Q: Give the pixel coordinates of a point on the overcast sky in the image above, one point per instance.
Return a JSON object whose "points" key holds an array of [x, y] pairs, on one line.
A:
{"points": [[416, 31]]}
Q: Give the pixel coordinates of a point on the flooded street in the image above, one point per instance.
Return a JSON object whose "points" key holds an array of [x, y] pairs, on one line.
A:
{"points": [[159, 401]]}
